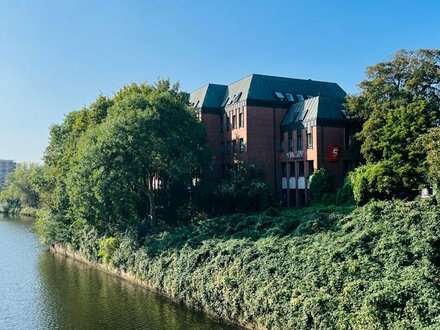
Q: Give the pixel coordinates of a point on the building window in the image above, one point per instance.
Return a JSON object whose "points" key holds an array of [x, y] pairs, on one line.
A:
{"points": [[281, 143], [234, 146], [292, 170], [348, 137], [300, 168], [284, 169], [221, 124], [222, 148], [290, 141], [309, 141], [299, 141], [240, 120], [234, 122], [228, 147], [241, 145], [310, 167], [228, 123]]}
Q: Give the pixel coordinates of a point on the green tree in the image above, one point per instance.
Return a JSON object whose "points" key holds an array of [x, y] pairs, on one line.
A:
{"points": [[431, 143], [322, 187], [22, 188], [149, 142], [244, 189], [398, 102]]}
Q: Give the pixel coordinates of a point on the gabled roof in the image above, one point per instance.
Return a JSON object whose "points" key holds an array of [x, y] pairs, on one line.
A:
{"points": [[314, 110], [261, 89]]}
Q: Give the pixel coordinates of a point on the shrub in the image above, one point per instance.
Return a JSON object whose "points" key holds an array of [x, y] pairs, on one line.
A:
{"points": [[344, 195], [321, 187], [375, 181], [107, 247]]}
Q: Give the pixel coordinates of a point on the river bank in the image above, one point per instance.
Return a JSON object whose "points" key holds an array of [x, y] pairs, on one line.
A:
{"points": [[322, 267], [129, 277], [43, 290]]}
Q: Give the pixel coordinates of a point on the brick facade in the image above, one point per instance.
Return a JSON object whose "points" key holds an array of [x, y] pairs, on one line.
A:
{"points": [[288, 137]]}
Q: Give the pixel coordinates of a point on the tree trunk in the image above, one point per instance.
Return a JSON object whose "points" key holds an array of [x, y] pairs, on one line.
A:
{"points": [[152, 200]]}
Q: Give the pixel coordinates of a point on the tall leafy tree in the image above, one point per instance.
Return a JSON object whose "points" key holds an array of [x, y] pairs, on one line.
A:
{"points": [[149, 141], [398, 102]]}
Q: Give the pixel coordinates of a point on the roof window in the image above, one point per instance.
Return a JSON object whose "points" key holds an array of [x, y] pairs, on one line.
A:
{"points": [[225, 101], [345, 113], [279, 96], [300, 97], [237, 97], [290, 97], [304, 114]]}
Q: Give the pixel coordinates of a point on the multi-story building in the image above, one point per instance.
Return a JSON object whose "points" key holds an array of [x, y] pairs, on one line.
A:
{"points": [[6, 167], [290, 127]]}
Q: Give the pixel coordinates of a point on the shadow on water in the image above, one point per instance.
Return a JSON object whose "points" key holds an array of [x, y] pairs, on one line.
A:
{"points": [[82, 297]]}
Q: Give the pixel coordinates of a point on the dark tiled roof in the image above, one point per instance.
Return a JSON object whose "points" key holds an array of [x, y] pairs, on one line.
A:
{"points": [[261, 89], [313, 110], [208, 96]]}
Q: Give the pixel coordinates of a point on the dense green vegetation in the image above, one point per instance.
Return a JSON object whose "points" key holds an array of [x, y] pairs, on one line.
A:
{"points": [[331, 267], [22, 191], [399, 102]]}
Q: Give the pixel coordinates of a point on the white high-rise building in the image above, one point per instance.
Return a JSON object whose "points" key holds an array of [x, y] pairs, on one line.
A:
{"points": [[6, 167]]}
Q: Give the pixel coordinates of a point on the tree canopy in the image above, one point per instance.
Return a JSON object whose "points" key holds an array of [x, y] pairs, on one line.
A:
{"points": [[398, 102], [117, 163]]}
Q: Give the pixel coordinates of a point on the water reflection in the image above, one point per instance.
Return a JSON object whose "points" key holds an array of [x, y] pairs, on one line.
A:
{"points": [[42, 290]]}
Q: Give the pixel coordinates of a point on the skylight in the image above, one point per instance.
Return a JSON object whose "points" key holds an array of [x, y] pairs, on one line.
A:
{"points": [[300, 97], [345, 113], [290, 97], [304, 114], [279, 96], [237, 97], [225, 101]]}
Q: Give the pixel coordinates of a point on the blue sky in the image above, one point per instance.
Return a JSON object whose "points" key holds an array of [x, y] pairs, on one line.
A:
{"points": [[57, 56]]}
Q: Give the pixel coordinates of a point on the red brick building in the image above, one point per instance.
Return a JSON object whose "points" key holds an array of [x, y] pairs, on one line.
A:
{"points": [[290, 127]]}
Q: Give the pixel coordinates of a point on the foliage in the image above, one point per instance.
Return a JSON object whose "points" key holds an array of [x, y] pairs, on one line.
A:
{"points": [[431, 143], [107, 247], [243, 189], [399, 101], [125, 162], [22, 189], [344, 195], [331, 267], [322, 187]]}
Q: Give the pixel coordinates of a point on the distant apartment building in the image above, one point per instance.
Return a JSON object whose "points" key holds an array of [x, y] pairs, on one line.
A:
{"points": [[6, 167], [290, 127]]}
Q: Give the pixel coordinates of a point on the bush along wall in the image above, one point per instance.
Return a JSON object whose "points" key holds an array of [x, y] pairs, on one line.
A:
{"points": [[375, 267]]}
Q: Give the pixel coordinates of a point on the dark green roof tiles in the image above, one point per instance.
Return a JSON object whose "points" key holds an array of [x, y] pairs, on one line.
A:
{"points": [[260, 89]]}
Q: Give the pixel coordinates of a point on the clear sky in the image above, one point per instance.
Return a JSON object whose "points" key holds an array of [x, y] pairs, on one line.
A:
{"points": [[57, 56]]}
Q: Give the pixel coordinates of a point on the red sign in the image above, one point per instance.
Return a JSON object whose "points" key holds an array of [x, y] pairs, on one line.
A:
{"points": [[333, 153]]}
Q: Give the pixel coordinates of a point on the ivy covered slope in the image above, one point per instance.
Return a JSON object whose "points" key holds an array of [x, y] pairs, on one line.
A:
{"points": [[330, 267]]}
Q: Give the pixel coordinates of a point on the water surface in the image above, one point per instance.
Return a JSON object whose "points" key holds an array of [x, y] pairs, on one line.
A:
{"points": [[41, 290]]}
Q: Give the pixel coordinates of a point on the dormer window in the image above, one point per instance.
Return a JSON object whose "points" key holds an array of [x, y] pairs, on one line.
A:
{"points": [[279, 96], [237, 97], [345, 114]]}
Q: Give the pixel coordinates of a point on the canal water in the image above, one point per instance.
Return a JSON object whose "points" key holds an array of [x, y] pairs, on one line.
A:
{"points": [[41, 290]]}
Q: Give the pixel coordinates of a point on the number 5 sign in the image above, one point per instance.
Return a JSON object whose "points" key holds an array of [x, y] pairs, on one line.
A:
{"points": [[333, 153]]}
